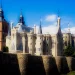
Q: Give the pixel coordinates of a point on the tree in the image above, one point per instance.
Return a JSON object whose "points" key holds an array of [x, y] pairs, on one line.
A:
{"points": [[69, 51], [5, 49]]}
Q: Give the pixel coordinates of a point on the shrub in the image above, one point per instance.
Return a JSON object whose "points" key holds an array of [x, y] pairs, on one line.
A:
{"points": [[73, 54], [71, 73], [69, 51], [5, 49]]}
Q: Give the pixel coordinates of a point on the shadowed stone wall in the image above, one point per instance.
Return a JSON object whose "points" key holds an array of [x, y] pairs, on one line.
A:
{"points": [[26, 64]]}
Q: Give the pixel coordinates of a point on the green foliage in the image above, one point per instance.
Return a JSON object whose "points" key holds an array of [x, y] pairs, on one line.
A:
{"points": [[73, 54], [71, 73], [69, 51], [5, 49]]}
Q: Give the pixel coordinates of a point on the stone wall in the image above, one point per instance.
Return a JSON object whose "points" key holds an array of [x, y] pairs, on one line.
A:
{"points": [[26, 64]]}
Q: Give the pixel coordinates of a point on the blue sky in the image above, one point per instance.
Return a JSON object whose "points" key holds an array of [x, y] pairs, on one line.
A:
{"points": [[34, 9]]}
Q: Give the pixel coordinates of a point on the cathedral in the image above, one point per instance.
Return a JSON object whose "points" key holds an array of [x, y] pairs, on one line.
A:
{"points": [[24, 39], [3, 29]]}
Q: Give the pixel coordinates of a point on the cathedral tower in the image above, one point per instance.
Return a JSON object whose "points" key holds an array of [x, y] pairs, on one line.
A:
{"points": [[21, 19], [59, 40], [31, 42], [39, 41], [3, 29]]}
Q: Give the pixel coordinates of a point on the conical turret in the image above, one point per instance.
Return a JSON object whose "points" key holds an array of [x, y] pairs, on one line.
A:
{"points": [[21, 19], [59, 40], [1, 14], [40, 28], [58, 26]]}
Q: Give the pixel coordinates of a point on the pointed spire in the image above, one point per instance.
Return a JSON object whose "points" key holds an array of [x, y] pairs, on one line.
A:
{"points": [[40, 28], [58, 25], [58, 22], [1, 6], [1, 13], [21, 19]]}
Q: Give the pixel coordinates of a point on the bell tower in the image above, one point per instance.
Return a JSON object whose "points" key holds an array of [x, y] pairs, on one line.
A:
{"points": [[3, 29]]}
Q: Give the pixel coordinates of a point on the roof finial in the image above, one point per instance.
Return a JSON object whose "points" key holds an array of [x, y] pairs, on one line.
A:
{"points": [[21, 19]]}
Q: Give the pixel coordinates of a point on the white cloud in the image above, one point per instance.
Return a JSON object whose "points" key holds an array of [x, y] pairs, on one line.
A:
{"points": [[50, 29], [50, 18], [72, 30]]}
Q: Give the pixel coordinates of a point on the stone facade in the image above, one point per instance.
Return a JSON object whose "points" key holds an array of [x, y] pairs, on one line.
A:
{"points": [[25, 39]]}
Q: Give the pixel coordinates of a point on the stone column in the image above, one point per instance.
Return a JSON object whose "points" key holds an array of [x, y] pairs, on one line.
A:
{"points": [[31, 42], [24, 42], [39, 44]]}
